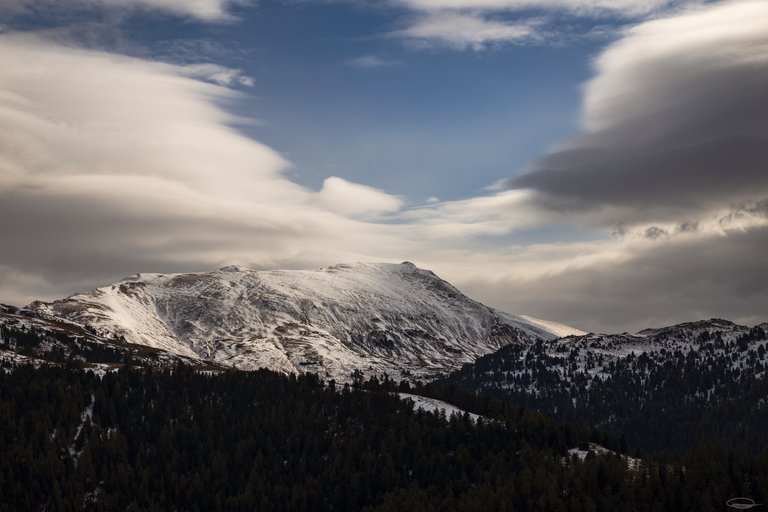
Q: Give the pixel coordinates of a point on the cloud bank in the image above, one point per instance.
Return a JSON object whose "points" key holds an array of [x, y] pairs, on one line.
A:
{"points": [[676, 122], [642, 285]]}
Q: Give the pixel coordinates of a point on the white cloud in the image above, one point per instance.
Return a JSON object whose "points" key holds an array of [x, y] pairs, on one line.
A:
{"points": [[355, 200], [475, 24], [656, 64], [585, 7], [209, 10], [206, 10], [372, 62], [493, 215], [220, 75], [463, 30]]}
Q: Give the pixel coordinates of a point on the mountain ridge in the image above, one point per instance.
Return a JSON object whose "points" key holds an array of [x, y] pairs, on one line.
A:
{"points": [[663, 388]]}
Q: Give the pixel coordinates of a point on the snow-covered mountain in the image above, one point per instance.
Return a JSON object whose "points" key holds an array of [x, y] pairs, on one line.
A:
{"points": [[372, 318]]}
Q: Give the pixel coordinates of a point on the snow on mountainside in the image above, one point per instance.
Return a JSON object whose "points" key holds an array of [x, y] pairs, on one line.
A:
{"points": [[434, 405], [667, 387], [582, 358], [373, 318], [31, 337]]}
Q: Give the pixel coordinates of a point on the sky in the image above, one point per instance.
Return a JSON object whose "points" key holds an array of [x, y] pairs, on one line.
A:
{"points": [[601, 163]]}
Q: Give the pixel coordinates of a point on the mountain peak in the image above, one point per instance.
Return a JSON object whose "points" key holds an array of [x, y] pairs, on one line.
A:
{"points": [[232, 268], [713, 324]]}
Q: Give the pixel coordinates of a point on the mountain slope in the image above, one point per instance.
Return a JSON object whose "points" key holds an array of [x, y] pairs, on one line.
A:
{"points": [[668, 388], [30, 337], [372, 318]]}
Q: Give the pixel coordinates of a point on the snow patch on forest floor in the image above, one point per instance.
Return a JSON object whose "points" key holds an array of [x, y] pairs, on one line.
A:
{"points": [[434, 405], [87, 414], [632, 463]]}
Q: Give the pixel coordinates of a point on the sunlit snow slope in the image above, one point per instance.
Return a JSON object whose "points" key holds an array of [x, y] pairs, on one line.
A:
{"points": [[374, 318]]}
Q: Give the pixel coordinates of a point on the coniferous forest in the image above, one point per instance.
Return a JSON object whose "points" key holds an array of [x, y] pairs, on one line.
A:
{"points": [[180, 439], [705, 390]]}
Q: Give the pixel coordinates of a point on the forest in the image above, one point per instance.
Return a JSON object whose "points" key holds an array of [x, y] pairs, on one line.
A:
{"points": [[185, 439], [708, 389]]}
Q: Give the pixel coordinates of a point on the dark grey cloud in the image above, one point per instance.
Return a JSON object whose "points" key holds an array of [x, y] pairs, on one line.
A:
{"points": [[663, 284], [653, 182], [677, 122], [655, 232]]}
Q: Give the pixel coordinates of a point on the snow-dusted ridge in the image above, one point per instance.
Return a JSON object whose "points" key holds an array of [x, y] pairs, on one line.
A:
{"points": [[373, 318], [542, 328], [579, 359]]}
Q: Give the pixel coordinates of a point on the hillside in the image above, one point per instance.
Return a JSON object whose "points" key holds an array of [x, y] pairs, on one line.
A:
{"points": [[671, 387]]}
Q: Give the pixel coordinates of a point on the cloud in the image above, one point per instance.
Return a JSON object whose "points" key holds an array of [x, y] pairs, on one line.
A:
{"points": [[462, 31], [372, 62], [17, 287], [581, 7], [128, 164], [355, 200], [478, 24], [484, 216], [219, 75], [648, 283], [675, 122], [206, 10]]}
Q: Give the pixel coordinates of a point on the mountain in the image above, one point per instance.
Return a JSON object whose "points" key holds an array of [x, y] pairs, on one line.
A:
{"points": [[670, 387], [336, 321]]}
